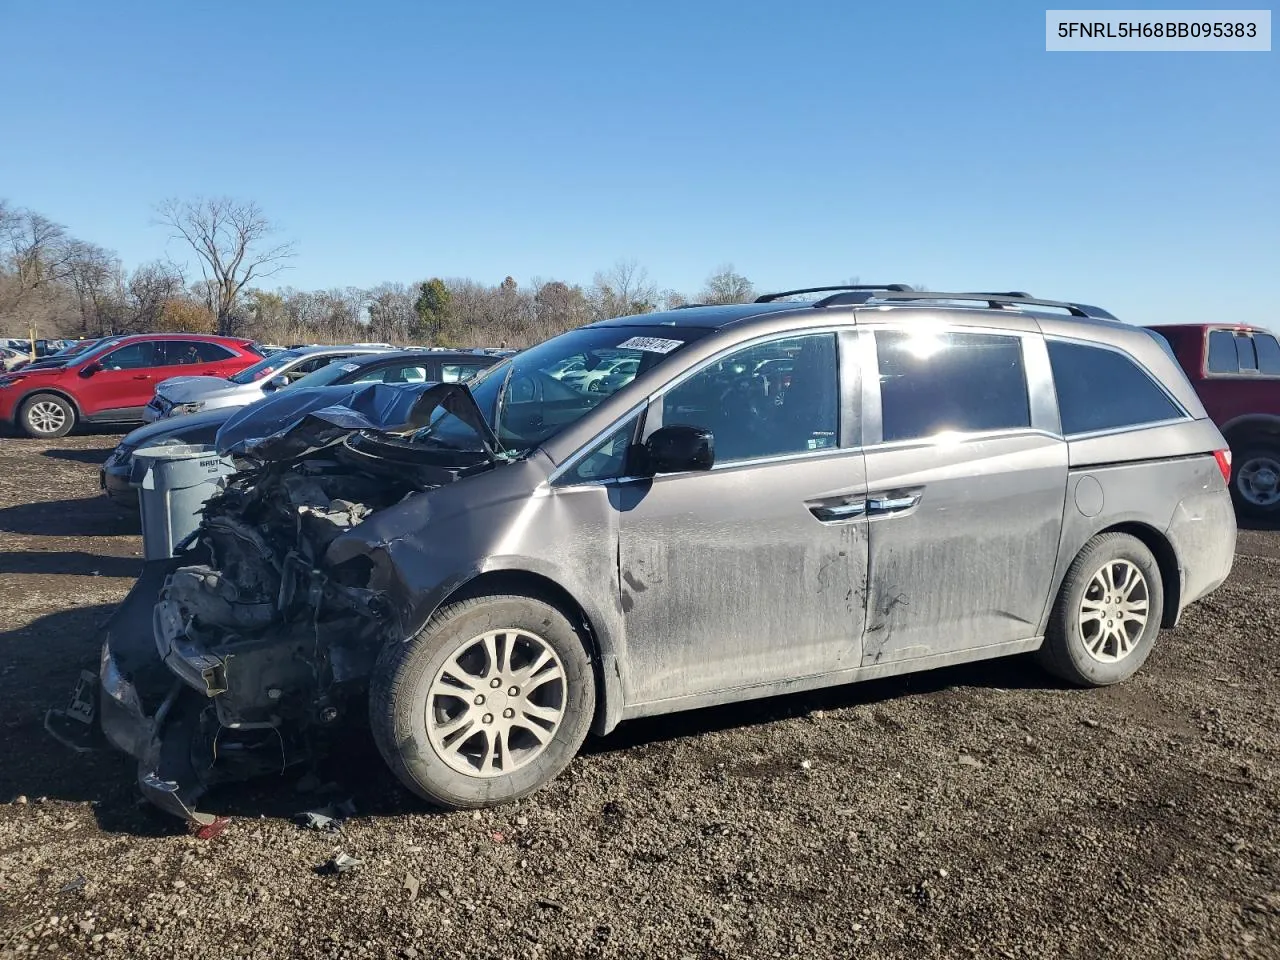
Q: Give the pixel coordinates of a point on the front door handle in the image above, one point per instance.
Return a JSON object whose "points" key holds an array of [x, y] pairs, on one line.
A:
{"points": [[142, 376], [834, 511]]}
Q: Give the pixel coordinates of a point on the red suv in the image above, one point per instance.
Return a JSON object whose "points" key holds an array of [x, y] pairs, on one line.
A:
{"points": [[1236, 371], [113, 381]]}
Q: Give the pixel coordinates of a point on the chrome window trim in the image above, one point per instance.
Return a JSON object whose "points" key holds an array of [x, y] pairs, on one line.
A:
{"points": [[1116, 431], [956, 439]]}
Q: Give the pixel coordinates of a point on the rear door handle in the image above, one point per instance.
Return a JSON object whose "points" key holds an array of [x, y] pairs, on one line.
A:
{"points": [[880, 506]]}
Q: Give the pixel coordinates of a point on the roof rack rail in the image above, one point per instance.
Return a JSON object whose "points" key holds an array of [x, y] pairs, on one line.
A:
{"points": [[1000, 301], [770, 297]]}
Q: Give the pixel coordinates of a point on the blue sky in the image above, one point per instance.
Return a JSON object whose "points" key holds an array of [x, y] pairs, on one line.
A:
{"points": [[804, 142]]}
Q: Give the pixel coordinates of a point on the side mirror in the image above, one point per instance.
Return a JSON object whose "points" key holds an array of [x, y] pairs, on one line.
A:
{"points": [[89, 369], [277, 383], [680, 447]]}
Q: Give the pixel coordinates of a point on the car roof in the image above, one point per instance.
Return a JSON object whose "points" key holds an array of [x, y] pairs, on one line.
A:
{"points": [[1224, 325], [701, 317], [846, 302], [209, 337]]}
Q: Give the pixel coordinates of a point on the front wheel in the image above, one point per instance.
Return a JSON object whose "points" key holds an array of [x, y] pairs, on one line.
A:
{"points": [[1255, 481], [46, 416], [487, 703], [1107, 614]]}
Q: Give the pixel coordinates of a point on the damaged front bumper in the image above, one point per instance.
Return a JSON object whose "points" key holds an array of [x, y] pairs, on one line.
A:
{"points": [[195, 716]]}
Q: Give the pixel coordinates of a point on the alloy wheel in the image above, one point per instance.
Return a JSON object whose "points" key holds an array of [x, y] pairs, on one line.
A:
{"points": [[1113, 613], [496, 703], [46, 416]]}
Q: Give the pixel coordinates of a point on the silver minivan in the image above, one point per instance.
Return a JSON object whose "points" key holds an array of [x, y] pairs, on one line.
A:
{"points": [[912, 480]]}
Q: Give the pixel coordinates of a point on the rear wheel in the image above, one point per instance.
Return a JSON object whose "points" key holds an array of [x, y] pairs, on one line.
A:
{"points": [[1107, 614], [46, 416], [1255, 481], [487, 703]]}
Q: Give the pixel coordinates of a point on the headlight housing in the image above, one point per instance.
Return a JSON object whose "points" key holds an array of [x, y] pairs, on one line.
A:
{"points": [[195, 406]]}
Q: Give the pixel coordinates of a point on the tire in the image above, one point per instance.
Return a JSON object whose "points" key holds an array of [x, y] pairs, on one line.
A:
{"points": [[410, 716], [1072, 631], [46, 416], [1255, 481]]}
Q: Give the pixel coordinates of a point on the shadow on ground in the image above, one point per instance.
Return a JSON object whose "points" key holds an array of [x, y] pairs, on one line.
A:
{"points": [[75, 563], [83, 517], [91, 457]]}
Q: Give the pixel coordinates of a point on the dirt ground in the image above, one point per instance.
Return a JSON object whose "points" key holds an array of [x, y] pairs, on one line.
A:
{"points": [[981, 811]]}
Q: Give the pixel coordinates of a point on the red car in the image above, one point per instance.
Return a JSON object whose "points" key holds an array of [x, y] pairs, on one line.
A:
{"points": [[113, 381], [1236, 371]]}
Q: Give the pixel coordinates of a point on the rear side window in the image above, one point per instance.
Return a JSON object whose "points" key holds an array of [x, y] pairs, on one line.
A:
{"points": [[191, 351], [936, 383], [1222, 352], [1268, 354], [455, 372], [1245, 353], [1100, 389]]}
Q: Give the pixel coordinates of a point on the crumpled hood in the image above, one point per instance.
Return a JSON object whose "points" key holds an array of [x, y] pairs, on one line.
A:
{"points": [[298, 421], [186, 389]]}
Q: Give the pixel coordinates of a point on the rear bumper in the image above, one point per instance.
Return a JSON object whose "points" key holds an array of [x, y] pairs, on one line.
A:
{"points": [[1203, 534]]}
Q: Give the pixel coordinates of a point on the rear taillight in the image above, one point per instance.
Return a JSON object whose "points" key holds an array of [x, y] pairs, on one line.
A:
{"points": [[1224, 463]]}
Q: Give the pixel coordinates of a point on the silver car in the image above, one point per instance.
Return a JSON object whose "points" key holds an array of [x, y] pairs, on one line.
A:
{"points": [[487, 572], [181, 395]]}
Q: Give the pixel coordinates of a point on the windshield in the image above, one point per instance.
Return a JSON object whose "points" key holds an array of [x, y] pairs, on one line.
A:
{"points": [[542, 390], [265, 367]]}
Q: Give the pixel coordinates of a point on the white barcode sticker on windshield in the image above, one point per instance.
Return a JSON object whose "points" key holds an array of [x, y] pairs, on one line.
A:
{"points": [[650, 344], [350, 366]]}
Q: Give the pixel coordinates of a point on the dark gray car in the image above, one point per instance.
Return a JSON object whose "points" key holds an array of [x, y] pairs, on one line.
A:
{"points": [[939, 478]]}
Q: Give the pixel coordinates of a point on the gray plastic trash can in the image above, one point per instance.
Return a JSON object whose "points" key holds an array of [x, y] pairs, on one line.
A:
{"points": [[174, 481]]}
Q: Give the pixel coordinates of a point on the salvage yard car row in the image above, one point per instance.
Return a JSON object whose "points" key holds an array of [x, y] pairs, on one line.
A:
{"points": [[777, 496]]}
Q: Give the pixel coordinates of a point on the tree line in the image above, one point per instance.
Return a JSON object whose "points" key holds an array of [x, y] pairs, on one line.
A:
{"points": [[62, 286]]}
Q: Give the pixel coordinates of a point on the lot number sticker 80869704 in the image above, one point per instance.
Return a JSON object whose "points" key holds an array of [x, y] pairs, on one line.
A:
{"points": [[650, 344]]}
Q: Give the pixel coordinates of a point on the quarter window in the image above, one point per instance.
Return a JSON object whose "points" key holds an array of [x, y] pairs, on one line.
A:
{"points": [[175, 352], [751, 415], [932, 383], [1100, 389], [1222, 352], [608, 461]]}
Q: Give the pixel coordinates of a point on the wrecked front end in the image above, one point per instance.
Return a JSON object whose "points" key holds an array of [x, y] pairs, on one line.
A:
{"points": [[251, 651]]}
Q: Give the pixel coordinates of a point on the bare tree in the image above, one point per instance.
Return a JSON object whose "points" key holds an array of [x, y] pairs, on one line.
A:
{"points": [[623, 290], [728, 286], [151, 287], [229, 238], [95, 275]]}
